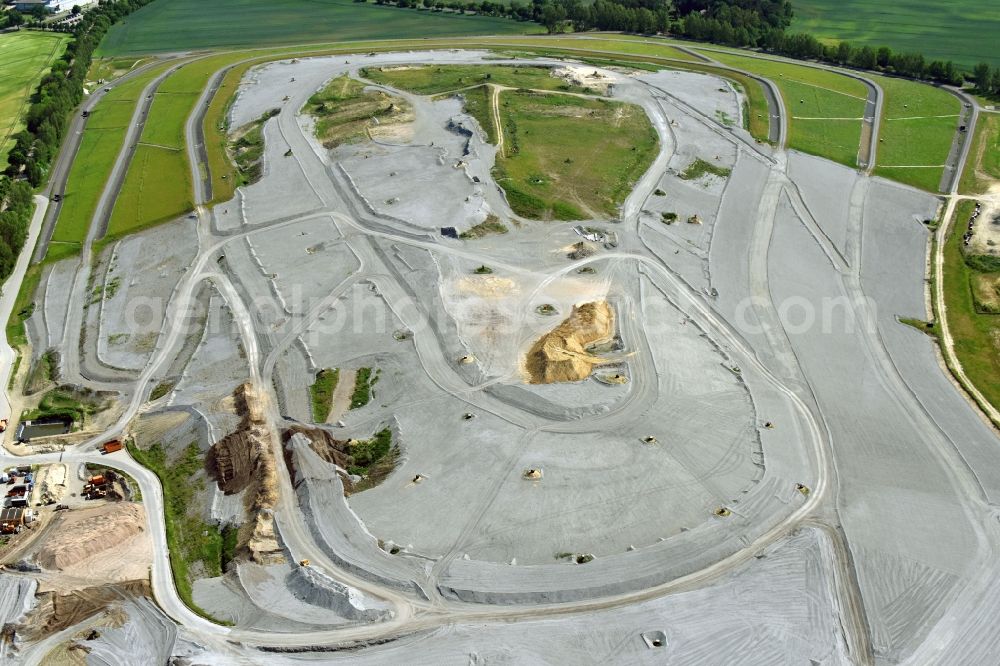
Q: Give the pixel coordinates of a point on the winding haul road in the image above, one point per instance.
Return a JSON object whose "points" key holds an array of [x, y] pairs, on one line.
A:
{"points": [[410, 614]]}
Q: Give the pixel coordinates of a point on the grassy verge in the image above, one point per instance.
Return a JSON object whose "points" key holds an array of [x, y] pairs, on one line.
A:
{"points": [[568, 158], [976, 336], [321, 393], [190, 540], [982, 169], [24, 307], [161, 390], [363, 382], [247, 148], [824, 108]]}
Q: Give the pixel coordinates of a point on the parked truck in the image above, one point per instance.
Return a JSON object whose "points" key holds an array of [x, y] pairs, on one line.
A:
{"points": [[111, 447]]}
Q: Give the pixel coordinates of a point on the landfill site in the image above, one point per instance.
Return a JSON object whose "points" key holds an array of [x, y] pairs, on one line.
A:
{"points": [[329, 421]]}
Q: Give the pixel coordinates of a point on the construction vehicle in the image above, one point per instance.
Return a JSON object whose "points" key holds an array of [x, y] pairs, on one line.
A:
{"points": [[111, 447], [97, 480], [304, 563], [3, 425]]}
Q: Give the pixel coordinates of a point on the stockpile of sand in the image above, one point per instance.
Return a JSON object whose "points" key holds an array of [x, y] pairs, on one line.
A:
{"points": [[561, 355], [244, 460], [83, 534]]}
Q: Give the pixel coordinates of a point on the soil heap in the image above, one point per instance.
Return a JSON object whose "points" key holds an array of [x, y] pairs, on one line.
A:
{"points": [[561, 355]]}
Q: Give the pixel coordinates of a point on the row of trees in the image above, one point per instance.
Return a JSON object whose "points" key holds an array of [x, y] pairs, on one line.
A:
{"points": [[986, 79], [749, 23], [58, 94]]}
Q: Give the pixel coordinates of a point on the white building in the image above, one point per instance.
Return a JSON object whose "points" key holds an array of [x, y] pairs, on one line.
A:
{"points": [[53, 6]]}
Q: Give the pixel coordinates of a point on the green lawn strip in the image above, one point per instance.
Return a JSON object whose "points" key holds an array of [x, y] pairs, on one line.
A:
{"points": [[982, 169], [24, 307], [321, 393], [26, 56], [189, 539], [167, 117], [434, 79], [477, 103], [99, 148], [976, 336], [157, 189], [363, 382], [564, 154]]}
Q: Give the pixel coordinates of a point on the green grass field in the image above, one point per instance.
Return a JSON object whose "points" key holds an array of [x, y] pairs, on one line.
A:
{"points": [[180, 25], [976, 335], [918, 124], [157, 188], [566, 157], [98, 149], [26, 57], [965, 31], [824, 108], [982, 170]]}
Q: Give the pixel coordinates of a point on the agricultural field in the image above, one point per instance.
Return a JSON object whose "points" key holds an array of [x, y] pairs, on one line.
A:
{"points": [[918, 124], [982, 170], [555, 168], [99, 148], [169, 25], [26, 57], [961, 30], [825, 109]]}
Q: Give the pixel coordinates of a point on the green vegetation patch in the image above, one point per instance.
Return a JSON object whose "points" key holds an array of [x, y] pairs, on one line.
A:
{"points": [[976, 335], [68, 402], [24, 307], [162, 389], [157, 188], [917, 128], [372, 459], [986, 291], [363, 382], [567, 157], [247, 148], [26, 57], [436, 79], [488, 227], [700, 167], [167, 117], [190, 540], [344, 111], [321, 393]]}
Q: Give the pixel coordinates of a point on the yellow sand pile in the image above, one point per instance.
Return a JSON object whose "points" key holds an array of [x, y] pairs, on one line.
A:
{"points": [[83, 534], [561, 355]]}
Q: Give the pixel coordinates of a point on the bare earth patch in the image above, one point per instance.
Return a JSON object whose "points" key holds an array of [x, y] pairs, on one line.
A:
{"points": [[561, 355]]}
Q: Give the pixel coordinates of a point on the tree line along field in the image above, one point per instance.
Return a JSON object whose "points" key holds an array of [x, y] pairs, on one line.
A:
{"points": [[965, 31], [179, 25], [26, 57], [982, 171]]}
